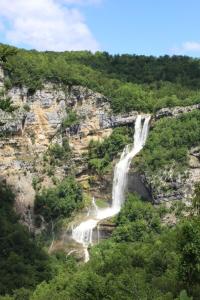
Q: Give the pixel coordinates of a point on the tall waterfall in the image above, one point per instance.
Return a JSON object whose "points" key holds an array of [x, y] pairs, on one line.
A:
{"points": [[122, 167], [83, 232]]}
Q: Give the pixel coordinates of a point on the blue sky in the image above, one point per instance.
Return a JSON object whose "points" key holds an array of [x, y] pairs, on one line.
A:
{"points": [[152, 27]]}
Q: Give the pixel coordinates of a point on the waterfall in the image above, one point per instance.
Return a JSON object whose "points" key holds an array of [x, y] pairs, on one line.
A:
{"points": [[83, 232], [122, 167]]}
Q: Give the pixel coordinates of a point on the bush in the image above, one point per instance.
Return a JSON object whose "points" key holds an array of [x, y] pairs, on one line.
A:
{"points": [[100, 154], [59, 202], [7, 105], [56, 154], [71, 119]]}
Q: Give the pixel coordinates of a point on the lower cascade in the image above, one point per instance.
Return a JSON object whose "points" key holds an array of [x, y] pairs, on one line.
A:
{"points": [[84, 231]]}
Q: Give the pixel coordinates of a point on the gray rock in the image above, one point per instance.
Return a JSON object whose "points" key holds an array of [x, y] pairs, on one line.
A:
{"points": [[107, 121], [12, 123], [18, 94], [175, 111], [30, 118], [46, 102], [53, 119]]}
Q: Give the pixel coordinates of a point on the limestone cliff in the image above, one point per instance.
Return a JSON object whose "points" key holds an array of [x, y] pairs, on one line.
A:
{"points": [[175, 111], [27, 132]]}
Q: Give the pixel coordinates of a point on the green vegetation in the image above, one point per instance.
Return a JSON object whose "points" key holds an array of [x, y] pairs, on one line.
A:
{"points": [[131, 82], [7, 105], [102, 153], [196, 200], [57, 154], [71, 119], [137, 221], [143, 260], [169, 142], [22, 263], [59, 202]]}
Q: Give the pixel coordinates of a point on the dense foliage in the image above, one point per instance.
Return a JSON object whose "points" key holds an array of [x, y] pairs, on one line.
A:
{"points": [[170, 140], [6, 105], [143, 260], [22, 263], [129, 81], [101, 154], [60, 201]]}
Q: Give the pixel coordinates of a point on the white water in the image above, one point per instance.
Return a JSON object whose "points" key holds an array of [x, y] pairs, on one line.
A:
{"points": [[83, 232]]}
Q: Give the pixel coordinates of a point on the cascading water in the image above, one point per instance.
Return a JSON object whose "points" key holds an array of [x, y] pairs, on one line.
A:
{"points": [[122, 167], [83, 232]]}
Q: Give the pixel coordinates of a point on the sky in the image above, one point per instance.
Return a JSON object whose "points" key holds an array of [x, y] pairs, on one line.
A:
{"points": [[150, 27]]}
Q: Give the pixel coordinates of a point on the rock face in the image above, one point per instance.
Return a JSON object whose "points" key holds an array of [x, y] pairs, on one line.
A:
{"points": [[90, 107], [26, 134], [170, 184], [12, 124], [107, 121], [136, 185], [175, 111]]}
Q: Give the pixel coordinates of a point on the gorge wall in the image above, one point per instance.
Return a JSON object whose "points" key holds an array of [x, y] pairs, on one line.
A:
{"points": [[36, 123]]}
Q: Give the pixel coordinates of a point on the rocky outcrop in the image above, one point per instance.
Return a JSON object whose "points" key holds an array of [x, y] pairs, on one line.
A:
{"points": [[109, 121], [175, 111], [137, 185], [27, 132], [167, 185], [89, 107], [12, 123], [105, 229], [170, 184]]}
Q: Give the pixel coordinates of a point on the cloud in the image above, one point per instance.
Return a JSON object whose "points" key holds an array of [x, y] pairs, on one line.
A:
{"points": [[191, 46], [82, 2], [46, 25], [187, 47]]}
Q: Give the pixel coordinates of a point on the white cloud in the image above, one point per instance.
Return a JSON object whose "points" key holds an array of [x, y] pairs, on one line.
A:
{"points": [[186, 47], [191, 46], [46, 25], [82, 2]]}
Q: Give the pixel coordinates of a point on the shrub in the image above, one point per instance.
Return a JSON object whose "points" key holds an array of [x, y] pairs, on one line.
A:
{"points": [[7, 105], [58, 202], [102, 153], [71, 119]]}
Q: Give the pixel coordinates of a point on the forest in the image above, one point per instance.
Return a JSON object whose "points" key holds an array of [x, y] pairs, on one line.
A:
{"points": [[145, 258], [130, 82]]}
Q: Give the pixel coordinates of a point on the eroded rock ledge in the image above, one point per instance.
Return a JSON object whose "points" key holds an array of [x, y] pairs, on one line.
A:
{"points": [[175, 111]]}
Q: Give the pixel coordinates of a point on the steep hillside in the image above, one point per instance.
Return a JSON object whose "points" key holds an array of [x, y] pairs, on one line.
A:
{"points": [[65, 118]]}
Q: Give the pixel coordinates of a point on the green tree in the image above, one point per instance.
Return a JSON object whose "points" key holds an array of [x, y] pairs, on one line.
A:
{"points": [[60, 201]]}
